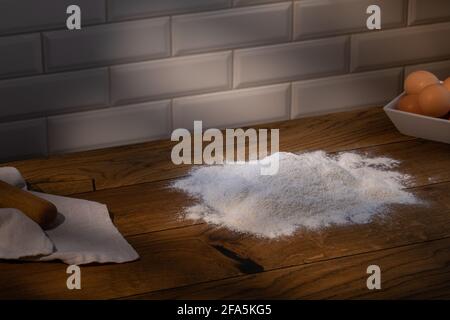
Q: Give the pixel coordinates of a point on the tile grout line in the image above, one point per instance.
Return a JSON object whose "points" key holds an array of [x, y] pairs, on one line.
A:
{"points": [[107, 18], [171, 119], [110, 91], [407, 14], [171, 37], [291, 101], [293, 17], [43, 56], [232, 71], [46, 117]]}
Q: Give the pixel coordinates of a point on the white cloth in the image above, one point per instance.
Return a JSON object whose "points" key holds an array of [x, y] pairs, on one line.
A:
{"points": [[21, 237], [83, 232], [13, 177]]}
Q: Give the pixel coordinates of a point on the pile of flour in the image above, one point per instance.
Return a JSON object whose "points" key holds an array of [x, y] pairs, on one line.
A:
{"points": [[311, 190]]}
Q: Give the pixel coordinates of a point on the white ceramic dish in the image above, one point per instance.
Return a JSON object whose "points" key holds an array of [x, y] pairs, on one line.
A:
{"points": [[417, 125]]}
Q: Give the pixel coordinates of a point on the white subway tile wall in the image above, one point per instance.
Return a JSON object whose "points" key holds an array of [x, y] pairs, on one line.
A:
{"points": [[346, 92], [231, 28], [23, 139], [108, 127], [441, 68], [253, 2], [233, 108], [107, 44], [291, 61], [136, 9], [227, 62], [424, 11], [44, 95], [171, 77], [400, 46], [319, 18], [20, 55], [30, 15]]}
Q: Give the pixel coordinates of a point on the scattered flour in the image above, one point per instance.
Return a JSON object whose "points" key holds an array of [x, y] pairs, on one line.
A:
{"points": [[311, 190]]}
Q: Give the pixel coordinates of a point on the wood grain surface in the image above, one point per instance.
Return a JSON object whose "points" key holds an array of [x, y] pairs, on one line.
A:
{"points": [[419, 271], [189, 259]]}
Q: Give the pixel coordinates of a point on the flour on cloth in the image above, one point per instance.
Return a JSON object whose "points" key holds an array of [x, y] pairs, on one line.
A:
{"points": [[82, 234], [311, 190]]}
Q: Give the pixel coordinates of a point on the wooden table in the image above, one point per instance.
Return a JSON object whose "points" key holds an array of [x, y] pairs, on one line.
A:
{"points": [[185, 259]]}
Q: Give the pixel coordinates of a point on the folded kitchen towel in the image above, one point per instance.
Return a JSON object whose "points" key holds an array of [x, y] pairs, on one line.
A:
{"points": [[83, 232]]}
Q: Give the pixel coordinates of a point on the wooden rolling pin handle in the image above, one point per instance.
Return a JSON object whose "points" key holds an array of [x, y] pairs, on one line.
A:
{"points": [[39, 210]]}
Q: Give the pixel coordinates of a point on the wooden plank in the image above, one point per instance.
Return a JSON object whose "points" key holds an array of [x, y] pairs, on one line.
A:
{"points": [[64, 188], [425, 161], [144, 208], [167, 260], [200, 253], [403, 225], [420, 271], [148, 162], [154, 206]]}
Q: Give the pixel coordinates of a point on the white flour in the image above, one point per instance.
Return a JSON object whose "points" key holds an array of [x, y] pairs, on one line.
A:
{"points": [[311, 190]]}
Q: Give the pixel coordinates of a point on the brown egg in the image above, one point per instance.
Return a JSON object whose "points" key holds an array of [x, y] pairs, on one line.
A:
{"points": [[419, 80], [434, 100], [447, 83], [409, 103]]}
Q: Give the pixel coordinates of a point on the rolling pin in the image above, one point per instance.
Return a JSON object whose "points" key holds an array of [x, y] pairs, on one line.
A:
{"points": [[39, 210]]}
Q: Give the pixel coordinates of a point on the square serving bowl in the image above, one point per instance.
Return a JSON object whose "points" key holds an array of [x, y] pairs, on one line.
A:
{"points": [[417, 125]]}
